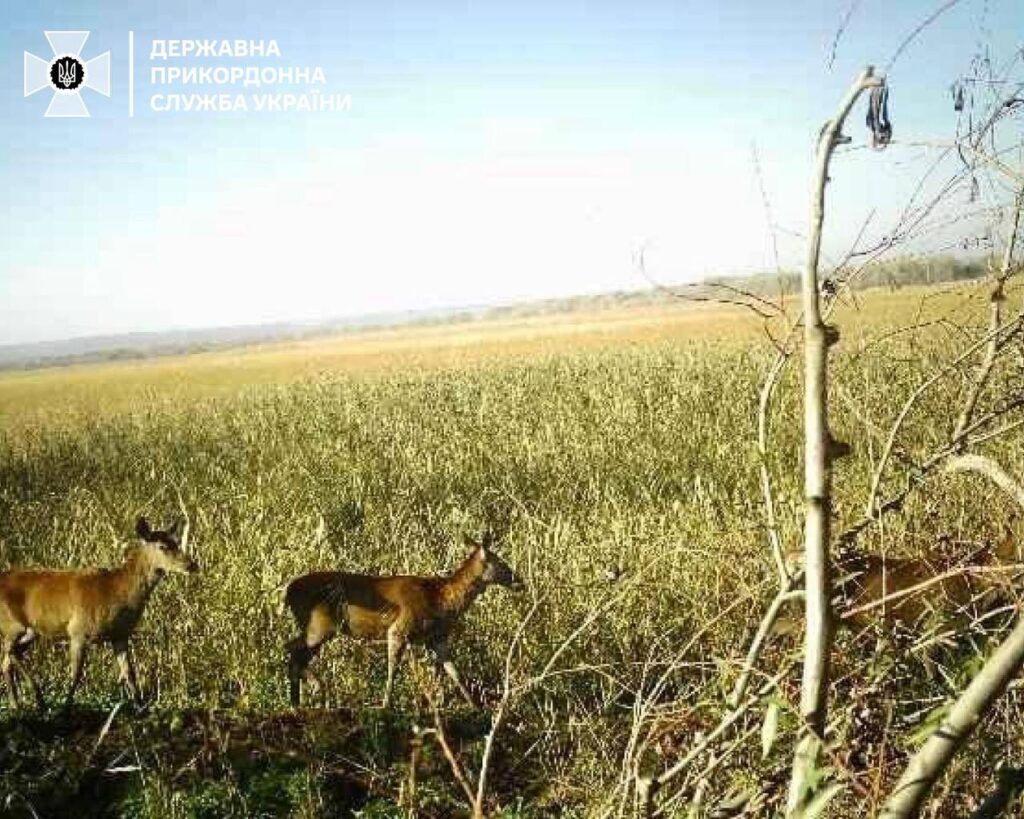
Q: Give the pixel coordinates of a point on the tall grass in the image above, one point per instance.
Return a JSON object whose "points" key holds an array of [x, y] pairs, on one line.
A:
{"points": [[583, 462]]}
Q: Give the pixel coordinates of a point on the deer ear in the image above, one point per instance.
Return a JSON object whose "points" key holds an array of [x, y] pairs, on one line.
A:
{"points": [[469, 541], [142, 528], [487, 541]]}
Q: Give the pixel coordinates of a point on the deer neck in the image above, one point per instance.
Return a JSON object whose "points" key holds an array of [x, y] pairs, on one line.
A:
{"points": [[138, 577], [462, 587]]}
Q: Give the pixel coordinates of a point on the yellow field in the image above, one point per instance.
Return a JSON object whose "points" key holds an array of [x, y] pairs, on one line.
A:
{"points": [[612, 453], [38, 395]]}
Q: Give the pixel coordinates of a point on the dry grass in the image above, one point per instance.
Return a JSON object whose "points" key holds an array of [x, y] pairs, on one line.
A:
{"points": [[91, 388], [586, 441]]}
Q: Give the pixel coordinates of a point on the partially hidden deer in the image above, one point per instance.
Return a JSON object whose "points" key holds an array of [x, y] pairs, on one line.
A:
{"points": [[903, 590], [400, 609], [86, 606], [900, 591]]}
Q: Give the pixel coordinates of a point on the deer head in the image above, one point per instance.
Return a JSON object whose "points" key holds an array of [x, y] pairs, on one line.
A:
{"points": [[164, 548], [492, 569]]}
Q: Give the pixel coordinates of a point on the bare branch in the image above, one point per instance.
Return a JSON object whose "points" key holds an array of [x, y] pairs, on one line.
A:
{"points": [[931, 18], [760, 306], [995, 320], [499, 712], [768, 494], [817, 475], [839, 33], [928, 764], [991, 470], [924, 585], [785, 595], [648, 787], [871, 509]]}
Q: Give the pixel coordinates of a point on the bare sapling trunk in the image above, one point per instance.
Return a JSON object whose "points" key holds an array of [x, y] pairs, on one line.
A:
{"points": [[818, 337]]}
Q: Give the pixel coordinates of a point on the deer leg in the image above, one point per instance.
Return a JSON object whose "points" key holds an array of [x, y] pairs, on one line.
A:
{"points": [[10, 676], [126, 670], [20, 648], [76, 657], [397, 639], [299, 656], [302, 650], [440, 652], [14, 669]]}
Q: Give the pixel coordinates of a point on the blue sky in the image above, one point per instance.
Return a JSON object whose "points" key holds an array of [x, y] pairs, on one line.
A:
{"points": [[493, 152]]}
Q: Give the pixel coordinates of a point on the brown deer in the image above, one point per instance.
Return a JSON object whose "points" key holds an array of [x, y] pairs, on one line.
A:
{"points": [[900, 591], [903, 590], [86, 605], [401, 609]]}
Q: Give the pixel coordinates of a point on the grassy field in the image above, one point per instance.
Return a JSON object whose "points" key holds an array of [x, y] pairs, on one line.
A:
{"points": [[589, 443]]}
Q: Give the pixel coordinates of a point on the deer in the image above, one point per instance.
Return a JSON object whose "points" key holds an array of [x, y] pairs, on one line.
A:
{"points": [[903, 590], [398, 609], [900, 591], [86, 606]]}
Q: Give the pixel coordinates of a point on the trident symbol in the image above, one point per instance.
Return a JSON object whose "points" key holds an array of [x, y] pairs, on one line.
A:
{"points": [[67, 73]]}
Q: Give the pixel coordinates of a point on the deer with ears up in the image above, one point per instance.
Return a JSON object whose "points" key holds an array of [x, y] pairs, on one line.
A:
{"points": [[400, 609], [86, 605]]}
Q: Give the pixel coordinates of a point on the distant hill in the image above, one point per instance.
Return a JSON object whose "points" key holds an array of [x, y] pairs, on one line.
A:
{"points": [[176, 342], [127, 346]]}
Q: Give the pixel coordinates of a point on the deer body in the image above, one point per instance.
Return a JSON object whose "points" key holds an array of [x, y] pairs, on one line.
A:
{"points": [[902, 590], [84, 606], [106, 603], [899, 591], [400, 609]]}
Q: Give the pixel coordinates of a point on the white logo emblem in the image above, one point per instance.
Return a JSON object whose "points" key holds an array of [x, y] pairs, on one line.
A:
{"points": [[66, 74]]}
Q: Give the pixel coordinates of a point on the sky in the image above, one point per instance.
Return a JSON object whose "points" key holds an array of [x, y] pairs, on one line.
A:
{"points": [[491, 152]]}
